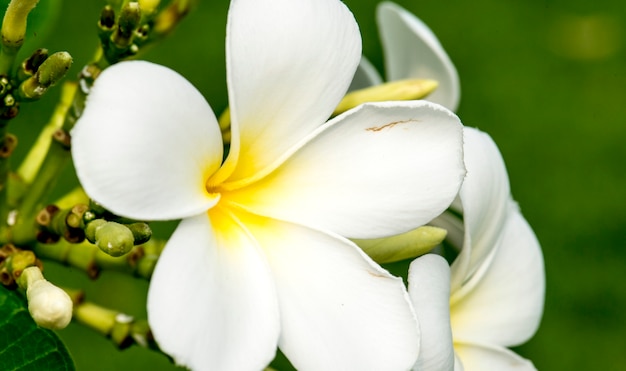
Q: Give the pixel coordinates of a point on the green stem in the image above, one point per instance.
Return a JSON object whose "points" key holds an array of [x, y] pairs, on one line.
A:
{"points": [[25, 228], [122, 329], [7, 144], [140, 262], [55, 159]]}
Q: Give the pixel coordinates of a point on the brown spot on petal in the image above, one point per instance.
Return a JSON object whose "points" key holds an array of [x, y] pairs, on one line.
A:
{"points": [[377, 274], [389, 125]]}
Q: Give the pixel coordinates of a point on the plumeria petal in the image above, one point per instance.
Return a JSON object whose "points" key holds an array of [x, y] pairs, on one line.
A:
{"points": [[511, 287], [146, 143], [429, 288], [366, 75], [485, 196], [345, 178], [281, 87], [485, 357], [212, 303], [413, 51], [339, 310]]}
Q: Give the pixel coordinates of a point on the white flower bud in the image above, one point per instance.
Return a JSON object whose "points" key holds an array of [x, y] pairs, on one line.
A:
{"points": [[50, 306]]}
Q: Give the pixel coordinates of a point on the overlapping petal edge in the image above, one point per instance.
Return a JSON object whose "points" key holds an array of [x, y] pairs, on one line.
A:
{"points": [[502, 271], [413, 51]]}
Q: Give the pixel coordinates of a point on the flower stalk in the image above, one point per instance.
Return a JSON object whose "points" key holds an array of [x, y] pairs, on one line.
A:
{"points": [[123, 329], [139, 262]]}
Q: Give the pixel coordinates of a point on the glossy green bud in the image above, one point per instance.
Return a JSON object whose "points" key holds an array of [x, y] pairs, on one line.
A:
{"points": [[141, 232], [114, 239]]}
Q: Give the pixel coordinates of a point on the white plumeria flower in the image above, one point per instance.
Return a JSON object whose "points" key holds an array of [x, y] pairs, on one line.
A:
{"points": [[412, 51], [259, 260], [495, 296]]}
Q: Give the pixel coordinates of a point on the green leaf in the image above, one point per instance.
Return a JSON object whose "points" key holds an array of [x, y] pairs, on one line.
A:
{"points": [[23, 344]]}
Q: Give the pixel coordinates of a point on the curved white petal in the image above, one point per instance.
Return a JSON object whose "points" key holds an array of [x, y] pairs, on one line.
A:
{"points": [[212, 302], [377, 170], [146, 143], [413, 51], [429, 288], [339, 310], [366, 75], [289, 64], [477, 357], [503, 302], [485, 196]]}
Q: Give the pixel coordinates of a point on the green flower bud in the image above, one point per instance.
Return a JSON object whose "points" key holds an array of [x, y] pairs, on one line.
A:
{"points": [[407, 245], [114, 239], [51, 71], [92, 227], [127, 24], [141, 232], [410, 89]]}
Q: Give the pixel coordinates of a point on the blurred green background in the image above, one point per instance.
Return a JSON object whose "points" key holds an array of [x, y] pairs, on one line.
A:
{"points": [[545, 78]]}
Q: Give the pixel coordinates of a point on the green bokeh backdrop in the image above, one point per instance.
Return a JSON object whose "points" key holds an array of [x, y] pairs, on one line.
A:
{"points": [[547, 80]]}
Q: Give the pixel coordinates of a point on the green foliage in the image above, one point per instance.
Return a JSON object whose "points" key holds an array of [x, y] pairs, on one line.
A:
{"points": [[24, 345]]}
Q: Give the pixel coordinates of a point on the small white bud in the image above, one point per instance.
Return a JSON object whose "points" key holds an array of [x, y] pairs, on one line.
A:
{"points": [[50, 306]]}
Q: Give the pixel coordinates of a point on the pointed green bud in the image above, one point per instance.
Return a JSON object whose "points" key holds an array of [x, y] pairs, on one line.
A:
{"points": [[51, 71], [396, 90], [54, 68], [404, 246], [113, 238], [50, 306]]}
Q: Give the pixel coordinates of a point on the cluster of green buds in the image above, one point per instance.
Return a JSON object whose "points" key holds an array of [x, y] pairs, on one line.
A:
{"points": [[32, 78], [74, 231], [114, 235], [13, 261], [125, 26]]}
